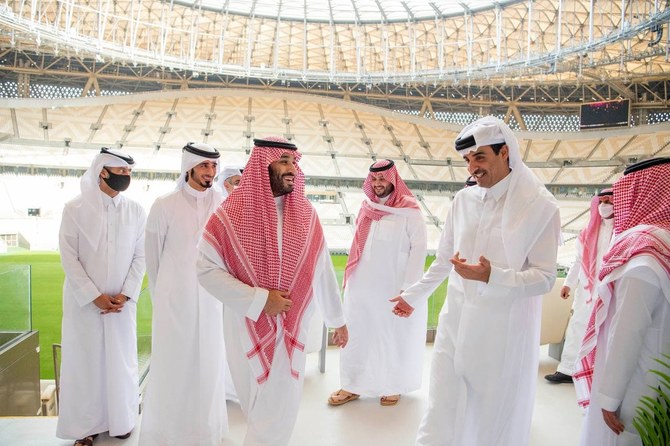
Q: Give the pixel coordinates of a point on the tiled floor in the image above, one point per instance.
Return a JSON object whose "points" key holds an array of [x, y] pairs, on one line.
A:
{"points": [[556, 420]]}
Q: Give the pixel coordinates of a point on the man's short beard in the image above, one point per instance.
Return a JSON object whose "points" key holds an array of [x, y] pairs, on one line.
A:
{"points": [[205, 184], [277, 184], [387, 191]]}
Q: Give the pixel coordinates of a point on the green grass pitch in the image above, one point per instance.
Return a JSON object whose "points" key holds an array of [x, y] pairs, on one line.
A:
{"points": [[47, 291]]}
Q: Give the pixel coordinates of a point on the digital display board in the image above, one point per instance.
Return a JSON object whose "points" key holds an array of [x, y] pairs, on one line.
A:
{"points": [[604, 114]]}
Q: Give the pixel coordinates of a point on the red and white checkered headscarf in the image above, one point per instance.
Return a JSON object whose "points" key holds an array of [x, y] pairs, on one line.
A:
{"points": [[642, 228], [588, 237], [401, 197], [243, 231]]}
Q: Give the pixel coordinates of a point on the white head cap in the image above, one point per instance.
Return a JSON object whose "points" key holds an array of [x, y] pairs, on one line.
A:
{"points": [[106, 158], [92, 204], [231, 171], [193, 154], [227, 172], [485, 132], [524, 187]]}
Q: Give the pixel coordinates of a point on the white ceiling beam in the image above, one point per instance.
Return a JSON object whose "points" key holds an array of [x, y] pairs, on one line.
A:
{"points": [[559, 26], [251, 30], [305, 41], [277, 43], [193, 32], [530, 29]]}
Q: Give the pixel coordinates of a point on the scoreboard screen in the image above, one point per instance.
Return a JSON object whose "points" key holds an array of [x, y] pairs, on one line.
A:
{"points": [[595, 115]]}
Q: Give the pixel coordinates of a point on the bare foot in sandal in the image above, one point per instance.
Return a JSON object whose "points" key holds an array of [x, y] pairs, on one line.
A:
{"points": [[390, 400], [86, 441], [341, 397]]}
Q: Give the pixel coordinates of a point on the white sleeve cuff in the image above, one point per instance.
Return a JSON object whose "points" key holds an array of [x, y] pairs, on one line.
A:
{"points": [[86, 294], [336, 323], [260, 298], [606, 402], [488, 288]]}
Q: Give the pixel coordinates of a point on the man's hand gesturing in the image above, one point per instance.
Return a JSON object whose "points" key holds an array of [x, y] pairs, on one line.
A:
{"points": [[278, 302]]}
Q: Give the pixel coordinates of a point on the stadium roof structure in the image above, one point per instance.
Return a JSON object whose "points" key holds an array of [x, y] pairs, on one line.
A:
{"points": [[532, 62], [369, 42], [346, 11]]}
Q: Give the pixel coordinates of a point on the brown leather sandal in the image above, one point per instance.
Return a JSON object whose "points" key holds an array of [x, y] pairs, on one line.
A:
{"points": [[86, 441], [390, 400], [341, 397]]}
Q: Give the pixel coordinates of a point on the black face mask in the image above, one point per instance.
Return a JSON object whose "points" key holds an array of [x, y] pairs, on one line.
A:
{"points": [[117, 182]]}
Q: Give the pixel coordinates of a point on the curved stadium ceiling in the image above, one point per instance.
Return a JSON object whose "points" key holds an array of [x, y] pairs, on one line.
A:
{"points": [[347, 11], [356, 41]]}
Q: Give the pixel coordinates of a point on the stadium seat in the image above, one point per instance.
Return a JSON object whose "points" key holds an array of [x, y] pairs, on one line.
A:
{"points": [[555, 316]]}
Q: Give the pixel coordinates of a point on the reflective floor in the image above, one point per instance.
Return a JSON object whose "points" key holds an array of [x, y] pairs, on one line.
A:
{"points": [[556, 420]]}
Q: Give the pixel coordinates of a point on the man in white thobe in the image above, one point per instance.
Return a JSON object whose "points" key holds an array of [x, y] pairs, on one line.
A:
{"points": [[498, 248], [184, 402], [264, 256], [384, 357], [593, 243], [629, 328], [102, 250]]}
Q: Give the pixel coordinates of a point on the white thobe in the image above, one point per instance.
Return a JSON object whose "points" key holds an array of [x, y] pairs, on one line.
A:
{"points": [[485, 358], [583, 300], [271, 408], [99, 374], [384, 355], [636, 331], [184, 402]]}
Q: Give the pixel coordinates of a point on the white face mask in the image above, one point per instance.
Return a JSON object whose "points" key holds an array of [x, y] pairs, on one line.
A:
{"points": [[606, 210]]}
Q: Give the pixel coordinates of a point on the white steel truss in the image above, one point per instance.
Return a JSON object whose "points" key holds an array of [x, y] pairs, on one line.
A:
{"points": [[366, 41]]}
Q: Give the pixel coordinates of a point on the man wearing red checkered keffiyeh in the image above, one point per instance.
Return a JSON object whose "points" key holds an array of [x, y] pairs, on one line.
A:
{"points": [[387, 255], [630, 323], [264, 256], [594, 241]]}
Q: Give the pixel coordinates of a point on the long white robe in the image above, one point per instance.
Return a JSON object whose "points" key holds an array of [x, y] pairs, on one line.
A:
{"points": [[99, 374], [485, 358], [384, 355], [184, 403], [271, 408], [636, 331], [581, 309]]}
